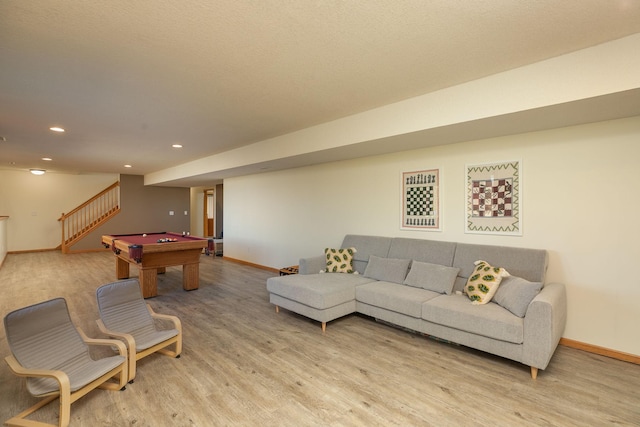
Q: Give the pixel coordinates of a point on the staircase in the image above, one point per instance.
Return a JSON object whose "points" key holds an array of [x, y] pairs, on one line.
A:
{"points": [[89, 215]]}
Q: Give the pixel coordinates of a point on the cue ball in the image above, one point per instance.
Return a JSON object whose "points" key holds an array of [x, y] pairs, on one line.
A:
{"points": [[144, 235]]}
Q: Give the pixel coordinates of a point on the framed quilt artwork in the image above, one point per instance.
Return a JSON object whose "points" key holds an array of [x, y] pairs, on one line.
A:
{"points": [[420, 200], [493, 201]]}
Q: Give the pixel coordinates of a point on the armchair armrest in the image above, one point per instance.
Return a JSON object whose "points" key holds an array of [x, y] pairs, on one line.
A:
{"points": [[122, 351], [312, 265], [63, 392], [544, 325], [173, 319], [21, 371], [103, 341], [127, 338]]}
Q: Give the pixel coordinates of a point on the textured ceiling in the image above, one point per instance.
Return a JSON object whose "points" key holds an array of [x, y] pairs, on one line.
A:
{"points": [[129, 78]]}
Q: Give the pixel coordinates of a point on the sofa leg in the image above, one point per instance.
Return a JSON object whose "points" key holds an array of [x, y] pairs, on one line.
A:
{"points": [[534, 372], [277, 309], [324, 327]]}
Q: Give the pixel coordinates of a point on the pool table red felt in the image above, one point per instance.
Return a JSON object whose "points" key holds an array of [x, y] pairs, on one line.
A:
{"points": [[153, 257]]}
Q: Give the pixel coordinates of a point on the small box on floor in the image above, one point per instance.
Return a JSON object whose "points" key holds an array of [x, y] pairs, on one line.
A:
{"points": [[289, 270]]}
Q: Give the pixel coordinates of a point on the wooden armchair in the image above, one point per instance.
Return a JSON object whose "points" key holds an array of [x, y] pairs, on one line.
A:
{"points": [[125, 315], [54, 356]]}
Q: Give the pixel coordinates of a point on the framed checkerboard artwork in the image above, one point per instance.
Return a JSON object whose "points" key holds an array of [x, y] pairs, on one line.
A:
{"points": [[421, 200], [493, 199]]}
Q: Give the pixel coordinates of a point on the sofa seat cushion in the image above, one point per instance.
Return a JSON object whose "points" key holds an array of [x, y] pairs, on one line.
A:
{"points": [[489, 320], [395, 297], [320, 291]]}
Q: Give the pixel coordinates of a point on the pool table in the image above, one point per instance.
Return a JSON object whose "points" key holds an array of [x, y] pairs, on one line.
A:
{"points": [[153, 252]]}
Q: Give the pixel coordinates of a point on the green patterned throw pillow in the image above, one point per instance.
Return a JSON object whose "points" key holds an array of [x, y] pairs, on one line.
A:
{"points": [[483, 282], [339, 260]]}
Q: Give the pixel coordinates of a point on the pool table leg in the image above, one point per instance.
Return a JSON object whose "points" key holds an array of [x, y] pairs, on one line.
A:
{"points": [[191, 276], [122, 269], [149, 282]]}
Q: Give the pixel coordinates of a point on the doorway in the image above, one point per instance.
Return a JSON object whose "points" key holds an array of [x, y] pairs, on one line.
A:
{"points": [[212, 216], [209, 212]]}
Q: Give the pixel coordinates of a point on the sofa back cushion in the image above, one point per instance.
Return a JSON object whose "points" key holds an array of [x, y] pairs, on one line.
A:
{"points": [[431, 251], [365, 247], [432, 277], [529, 264], [515, 294], [387, 269]]}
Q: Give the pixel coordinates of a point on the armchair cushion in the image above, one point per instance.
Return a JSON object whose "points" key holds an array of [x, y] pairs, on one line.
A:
{"points": [[42, 336], [125, 315]]}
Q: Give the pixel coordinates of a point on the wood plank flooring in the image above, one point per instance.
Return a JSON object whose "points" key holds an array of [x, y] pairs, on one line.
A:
{"points": [[245, 365]]}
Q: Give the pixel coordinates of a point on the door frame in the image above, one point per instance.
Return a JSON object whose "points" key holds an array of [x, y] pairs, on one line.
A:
{"points": [[205, 226]]}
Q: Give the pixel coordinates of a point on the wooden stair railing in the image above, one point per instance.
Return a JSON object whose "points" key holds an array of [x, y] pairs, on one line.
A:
{"points": [[89, 215]]}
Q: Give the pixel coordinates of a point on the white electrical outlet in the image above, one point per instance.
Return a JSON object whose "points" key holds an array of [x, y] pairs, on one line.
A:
{"points": [[171, 212]]}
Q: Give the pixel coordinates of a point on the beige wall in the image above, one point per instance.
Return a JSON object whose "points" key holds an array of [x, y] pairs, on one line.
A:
{"points": [[579, 201], [3, 238], [34, 204], [197, 210]]}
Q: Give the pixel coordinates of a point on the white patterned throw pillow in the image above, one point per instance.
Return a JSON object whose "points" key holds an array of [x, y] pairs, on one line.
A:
{"points": [[339, 260], [483, 282]]}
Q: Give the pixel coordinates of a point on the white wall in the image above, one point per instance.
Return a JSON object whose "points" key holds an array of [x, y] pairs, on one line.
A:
{"points": [[579, 201], [34, 204]]}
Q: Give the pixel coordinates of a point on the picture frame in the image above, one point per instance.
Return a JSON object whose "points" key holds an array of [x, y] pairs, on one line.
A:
{"points": [[420, 204], [493, 198]]}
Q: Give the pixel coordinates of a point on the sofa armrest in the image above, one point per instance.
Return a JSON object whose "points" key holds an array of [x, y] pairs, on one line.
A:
{"points": [[312, 265], [544, 325]]}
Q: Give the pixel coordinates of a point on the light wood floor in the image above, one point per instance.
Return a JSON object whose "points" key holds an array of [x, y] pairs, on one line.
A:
{"points": [[245, 365]]}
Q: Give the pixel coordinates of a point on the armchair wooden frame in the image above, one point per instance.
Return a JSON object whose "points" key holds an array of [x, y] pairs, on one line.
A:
{"points": [[64, 393], [130, 342]]}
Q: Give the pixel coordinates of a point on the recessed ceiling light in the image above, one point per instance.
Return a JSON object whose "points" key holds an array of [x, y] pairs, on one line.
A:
{"points": [[177, 146], [56, 129], [127, 166], [47, 159], [37, 171]]}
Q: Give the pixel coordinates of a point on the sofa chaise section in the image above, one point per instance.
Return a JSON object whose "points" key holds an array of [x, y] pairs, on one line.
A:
{"points": [[321, 297]]}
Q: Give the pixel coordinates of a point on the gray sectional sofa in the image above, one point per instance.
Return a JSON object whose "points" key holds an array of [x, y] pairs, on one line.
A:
{"points": [[419, 284]]}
